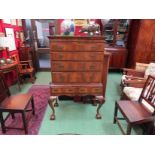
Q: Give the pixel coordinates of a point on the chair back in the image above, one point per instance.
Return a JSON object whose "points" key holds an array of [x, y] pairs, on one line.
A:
{"points": [[141, 66], [147, 96], [24, 53], [4, 90]]}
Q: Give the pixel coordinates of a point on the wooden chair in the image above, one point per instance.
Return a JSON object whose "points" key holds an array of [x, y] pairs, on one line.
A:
{"points": [[25, 68], [138, 113], [13, 104], [134, 77]]}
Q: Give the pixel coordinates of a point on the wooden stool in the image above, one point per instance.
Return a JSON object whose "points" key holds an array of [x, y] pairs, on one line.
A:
{"points": [[16, 104]]}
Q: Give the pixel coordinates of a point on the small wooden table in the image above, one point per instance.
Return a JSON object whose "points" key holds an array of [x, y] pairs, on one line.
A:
{"points": [[9, 68], [16, 104]]}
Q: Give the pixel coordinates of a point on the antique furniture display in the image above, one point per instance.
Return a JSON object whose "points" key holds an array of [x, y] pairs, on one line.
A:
{"points": [[139, 112], [78, 68], [9, 67], [116, 36], [13, 104]]}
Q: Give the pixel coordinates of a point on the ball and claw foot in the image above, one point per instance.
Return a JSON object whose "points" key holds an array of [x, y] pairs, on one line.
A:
{"points": [[52, 117], [98, 116]]}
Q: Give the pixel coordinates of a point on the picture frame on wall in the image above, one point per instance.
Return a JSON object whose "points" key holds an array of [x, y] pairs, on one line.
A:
{"points": [[7, 21], [80, 22], [19, 22], [13, 22], [11, 39]]}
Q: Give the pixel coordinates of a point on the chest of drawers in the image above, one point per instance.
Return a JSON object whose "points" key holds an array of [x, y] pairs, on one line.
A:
{"points": [[77, 66]]}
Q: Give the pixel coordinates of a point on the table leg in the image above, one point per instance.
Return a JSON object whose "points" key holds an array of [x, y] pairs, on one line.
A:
{"points": [[24, 122], [100, 102], [128, 129], [115, 112], [18, 79], [2, 123], [51, 104], [33, 107]]}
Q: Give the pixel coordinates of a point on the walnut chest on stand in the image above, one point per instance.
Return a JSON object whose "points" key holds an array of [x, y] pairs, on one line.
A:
{"points": [[77, 68]]}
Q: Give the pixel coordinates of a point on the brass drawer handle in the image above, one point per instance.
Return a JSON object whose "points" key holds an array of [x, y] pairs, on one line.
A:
{"points": [[69, 90], [55, 90], [97, 90], [82, 91]]}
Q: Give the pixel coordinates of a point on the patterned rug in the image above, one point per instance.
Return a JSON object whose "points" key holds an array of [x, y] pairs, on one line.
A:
{"points": [[41, 95]]}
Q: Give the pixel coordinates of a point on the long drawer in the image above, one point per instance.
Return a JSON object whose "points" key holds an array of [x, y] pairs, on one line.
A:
{"points": [[71, 46], [76, 66], [78, 56], [77, 77], [77, 90]]}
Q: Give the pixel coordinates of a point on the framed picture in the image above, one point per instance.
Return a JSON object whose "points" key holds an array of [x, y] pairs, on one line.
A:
{"points": [[7, 21], [13, 22], [80, 22], [11, 38], [19, 22]]}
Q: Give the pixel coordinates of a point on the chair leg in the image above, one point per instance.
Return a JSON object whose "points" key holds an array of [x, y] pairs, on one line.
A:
{"points": [[2, 123], [129, 129], [115, 112], [24, 122], [33, 107]]}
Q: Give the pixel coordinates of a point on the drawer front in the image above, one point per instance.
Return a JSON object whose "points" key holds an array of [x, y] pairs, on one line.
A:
{"points": [[77, 77], [80, 56], [88, 90], [76, 90], [62, 46], [62, 90], [76, 66]]}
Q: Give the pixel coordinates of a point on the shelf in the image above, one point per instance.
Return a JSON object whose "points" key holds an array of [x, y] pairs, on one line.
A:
{"points": [[108, 30], [117, 29]]}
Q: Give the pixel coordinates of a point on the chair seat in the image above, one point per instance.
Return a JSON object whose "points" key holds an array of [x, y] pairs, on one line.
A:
{"points": [[28, 70], [132, 93], [134, 112], [16, 102]]}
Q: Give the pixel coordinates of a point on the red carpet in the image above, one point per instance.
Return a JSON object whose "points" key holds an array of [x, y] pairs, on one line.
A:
{"points": [[41, 95]]}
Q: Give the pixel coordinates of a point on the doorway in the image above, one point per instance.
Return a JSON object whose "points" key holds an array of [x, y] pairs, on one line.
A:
{"points": [[44, 28]]}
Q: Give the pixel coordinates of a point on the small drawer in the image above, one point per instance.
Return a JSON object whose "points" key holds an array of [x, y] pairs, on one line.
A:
{"points": [[56, 90], [69, 90], [83, 90], [97, 90]]}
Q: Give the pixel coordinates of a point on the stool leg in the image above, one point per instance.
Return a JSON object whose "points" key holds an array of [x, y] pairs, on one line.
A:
{"points": [[2, 123], [13, 115], [33, 107], [115, 113], [24, 122], [128, 129]]}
